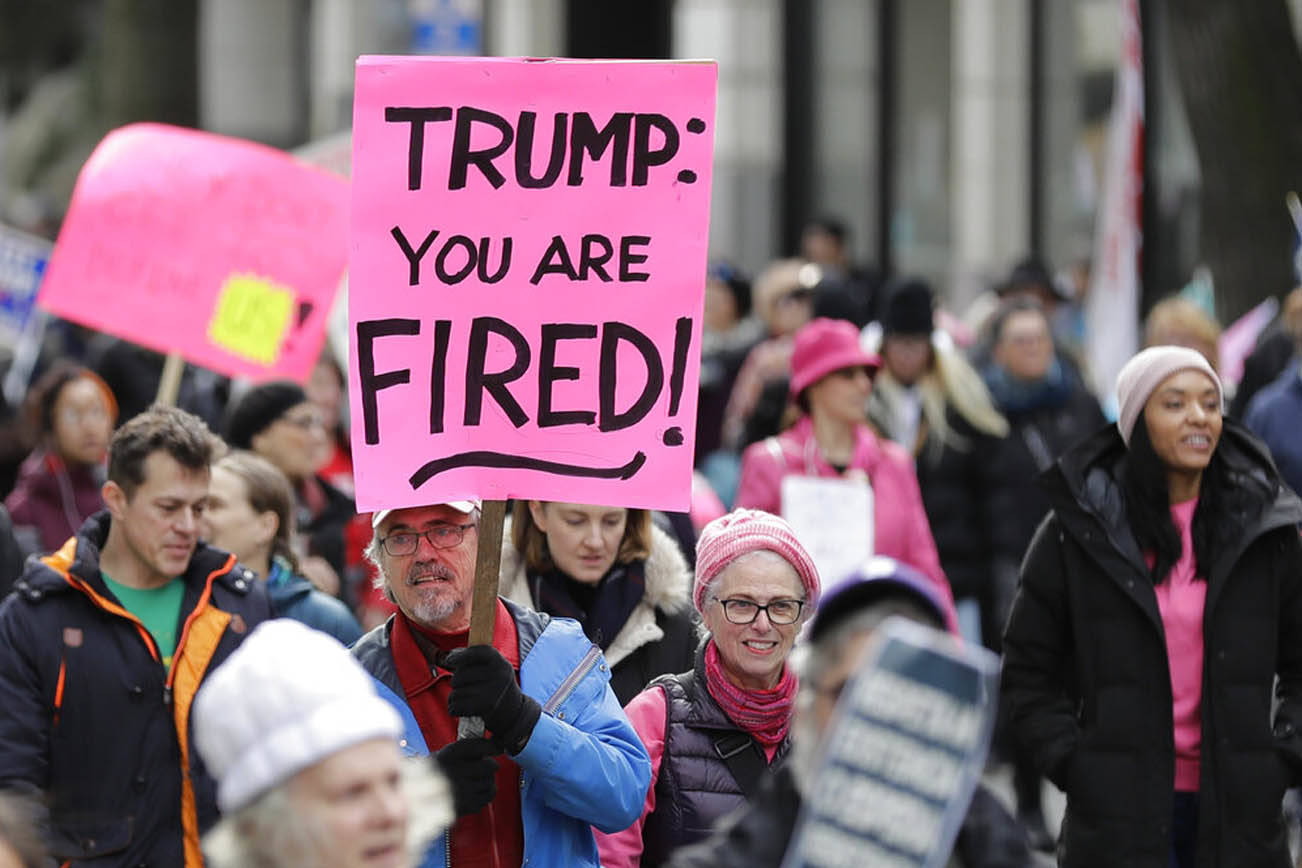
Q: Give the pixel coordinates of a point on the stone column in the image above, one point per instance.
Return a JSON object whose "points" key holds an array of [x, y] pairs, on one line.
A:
{"points": [[991, 109]]}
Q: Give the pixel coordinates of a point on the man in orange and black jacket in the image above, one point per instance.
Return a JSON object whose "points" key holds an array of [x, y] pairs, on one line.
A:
{"points": [[103, 646]]}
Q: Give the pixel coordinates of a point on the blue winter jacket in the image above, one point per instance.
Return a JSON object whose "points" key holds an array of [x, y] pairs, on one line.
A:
{"points": [[584, 764], [297, 599], [1275, 415]]}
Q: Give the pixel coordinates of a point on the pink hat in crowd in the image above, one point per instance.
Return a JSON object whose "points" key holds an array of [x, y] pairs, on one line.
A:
{"points": [[1145, 372], [742, 531], [825, 345]]}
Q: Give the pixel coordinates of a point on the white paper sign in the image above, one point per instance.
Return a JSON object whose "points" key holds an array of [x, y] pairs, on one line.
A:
{"points": [[833, 519]]}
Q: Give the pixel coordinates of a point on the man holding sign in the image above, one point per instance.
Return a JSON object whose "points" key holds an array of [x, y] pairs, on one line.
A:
{"points": [[559, 756], [527, 253]]}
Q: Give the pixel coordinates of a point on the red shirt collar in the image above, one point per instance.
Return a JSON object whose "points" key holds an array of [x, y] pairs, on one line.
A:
{"points": [[415, 672]]}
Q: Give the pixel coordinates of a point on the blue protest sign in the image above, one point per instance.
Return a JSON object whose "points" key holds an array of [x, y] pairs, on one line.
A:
{"points": [[23, 259], [446, 27]]}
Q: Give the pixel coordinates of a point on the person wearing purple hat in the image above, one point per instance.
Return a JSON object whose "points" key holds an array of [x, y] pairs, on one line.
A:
{"points": [[831, 379], [1153, 655], [713, 733]]}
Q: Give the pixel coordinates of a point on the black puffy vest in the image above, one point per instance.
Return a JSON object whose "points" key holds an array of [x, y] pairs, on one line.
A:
{"points": [[697, 784]]}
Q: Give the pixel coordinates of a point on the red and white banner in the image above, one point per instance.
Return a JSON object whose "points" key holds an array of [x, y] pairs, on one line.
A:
{"points": [[1112, 309]]}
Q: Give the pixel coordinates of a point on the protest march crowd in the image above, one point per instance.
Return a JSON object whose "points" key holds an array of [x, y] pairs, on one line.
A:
{"points": [[210, 656], [175, 685]]}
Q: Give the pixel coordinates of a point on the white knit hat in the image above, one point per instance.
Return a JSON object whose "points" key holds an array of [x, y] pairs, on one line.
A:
{"points": [[287, 698], [1145, 371]]}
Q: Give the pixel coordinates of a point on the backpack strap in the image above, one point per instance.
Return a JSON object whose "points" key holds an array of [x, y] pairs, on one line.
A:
{"points": [[744, 760]]}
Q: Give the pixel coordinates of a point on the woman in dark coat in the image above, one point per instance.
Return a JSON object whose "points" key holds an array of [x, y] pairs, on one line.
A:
{"points": [[1048, 409], [1159, 602], [72, 412], [931, 401]]}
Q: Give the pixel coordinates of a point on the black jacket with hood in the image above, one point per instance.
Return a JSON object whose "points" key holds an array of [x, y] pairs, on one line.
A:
{"points": [[1087, 685], [92, 720]]}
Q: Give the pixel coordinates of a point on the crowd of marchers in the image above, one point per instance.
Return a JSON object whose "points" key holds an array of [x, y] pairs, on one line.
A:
{"points": [[209, 657]]}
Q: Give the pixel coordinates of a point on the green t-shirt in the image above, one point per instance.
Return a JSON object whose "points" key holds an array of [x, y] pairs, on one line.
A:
{"points": [[159, 609]]}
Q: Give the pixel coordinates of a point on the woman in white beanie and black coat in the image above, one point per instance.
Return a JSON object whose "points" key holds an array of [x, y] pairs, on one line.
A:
{"points": [[1160, 602]]}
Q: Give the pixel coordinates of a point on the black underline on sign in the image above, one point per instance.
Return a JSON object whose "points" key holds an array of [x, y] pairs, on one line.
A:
{"points": [[523, 462]]}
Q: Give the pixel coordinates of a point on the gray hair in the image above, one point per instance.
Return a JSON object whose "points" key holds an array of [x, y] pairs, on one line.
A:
{"points": [[712, 588], [829, 648], [372, 555], [270, 833], [18, 825], [821, 655]]}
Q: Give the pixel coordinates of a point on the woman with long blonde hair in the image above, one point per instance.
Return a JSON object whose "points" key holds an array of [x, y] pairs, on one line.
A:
{"points": [[927, 398]]}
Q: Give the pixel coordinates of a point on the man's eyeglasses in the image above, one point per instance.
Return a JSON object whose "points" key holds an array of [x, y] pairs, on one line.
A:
{"points": [[780, 612], [441, 536]]}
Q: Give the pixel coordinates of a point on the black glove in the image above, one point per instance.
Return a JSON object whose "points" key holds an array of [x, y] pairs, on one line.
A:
{"points": [[470, 768], [484, 685]]}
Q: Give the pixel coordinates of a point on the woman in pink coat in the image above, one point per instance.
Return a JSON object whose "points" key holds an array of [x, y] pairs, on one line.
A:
{"points": [[831, 378]]}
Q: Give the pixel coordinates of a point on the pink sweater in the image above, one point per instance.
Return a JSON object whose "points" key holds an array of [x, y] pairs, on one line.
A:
{"points": [[646, 712], [1180, 599], [901, 530]]}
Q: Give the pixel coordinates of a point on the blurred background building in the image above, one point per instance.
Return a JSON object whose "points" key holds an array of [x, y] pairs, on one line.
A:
{"points": [[953, 137]]}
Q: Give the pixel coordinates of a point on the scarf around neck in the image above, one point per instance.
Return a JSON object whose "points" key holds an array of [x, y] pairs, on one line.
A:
{"points": [[764, 714], [1013, 396], [601, 609]]}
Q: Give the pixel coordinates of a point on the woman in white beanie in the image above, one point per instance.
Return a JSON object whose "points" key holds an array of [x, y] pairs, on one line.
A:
{"points": [[1153, 657], [306, 758]]}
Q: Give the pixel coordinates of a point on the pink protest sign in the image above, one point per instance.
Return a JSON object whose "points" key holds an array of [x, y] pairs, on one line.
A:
{"points": [[224, 251], [526, 278]]}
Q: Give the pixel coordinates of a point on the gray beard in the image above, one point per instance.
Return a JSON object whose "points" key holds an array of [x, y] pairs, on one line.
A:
{"points": [[432, 613]]}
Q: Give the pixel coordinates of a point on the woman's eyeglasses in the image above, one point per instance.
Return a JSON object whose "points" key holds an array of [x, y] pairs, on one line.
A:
{"points": [[307, 421], [780, 612]]}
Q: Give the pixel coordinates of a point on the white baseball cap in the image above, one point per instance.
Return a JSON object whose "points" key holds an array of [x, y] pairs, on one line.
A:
{"points": [[466, 506]]}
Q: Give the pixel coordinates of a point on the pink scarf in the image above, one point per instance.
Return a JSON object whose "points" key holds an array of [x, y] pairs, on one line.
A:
{"points": [[765, 714]]}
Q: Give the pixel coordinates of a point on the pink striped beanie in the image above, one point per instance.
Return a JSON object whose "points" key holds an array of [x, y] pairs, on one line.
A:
{"points": [[740, 532]]}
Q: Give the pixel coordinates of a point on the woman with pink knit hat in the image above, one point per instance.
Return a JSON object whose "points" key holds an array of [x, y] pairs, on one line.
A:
{"points": [[1153, 656], [714, 732], [831, 379]]}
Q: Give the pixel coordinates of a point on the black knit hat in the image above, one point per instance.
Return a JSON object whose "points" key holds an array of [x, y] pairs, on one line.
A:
{"points": [[258, 408], [1031, 274], [909, 308]]}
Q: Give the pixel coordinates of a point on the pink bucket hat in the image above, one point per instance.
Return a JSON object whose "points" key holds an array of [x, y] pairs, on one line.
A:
{"points": [[1145, 372], [825, 345], [742, 531]]}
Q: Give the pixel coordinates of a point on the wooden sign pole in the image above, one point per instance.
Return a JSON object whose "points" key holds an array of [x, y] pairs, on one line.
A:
{"points": [[483, 610], [170, 384], [483, 607]]}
